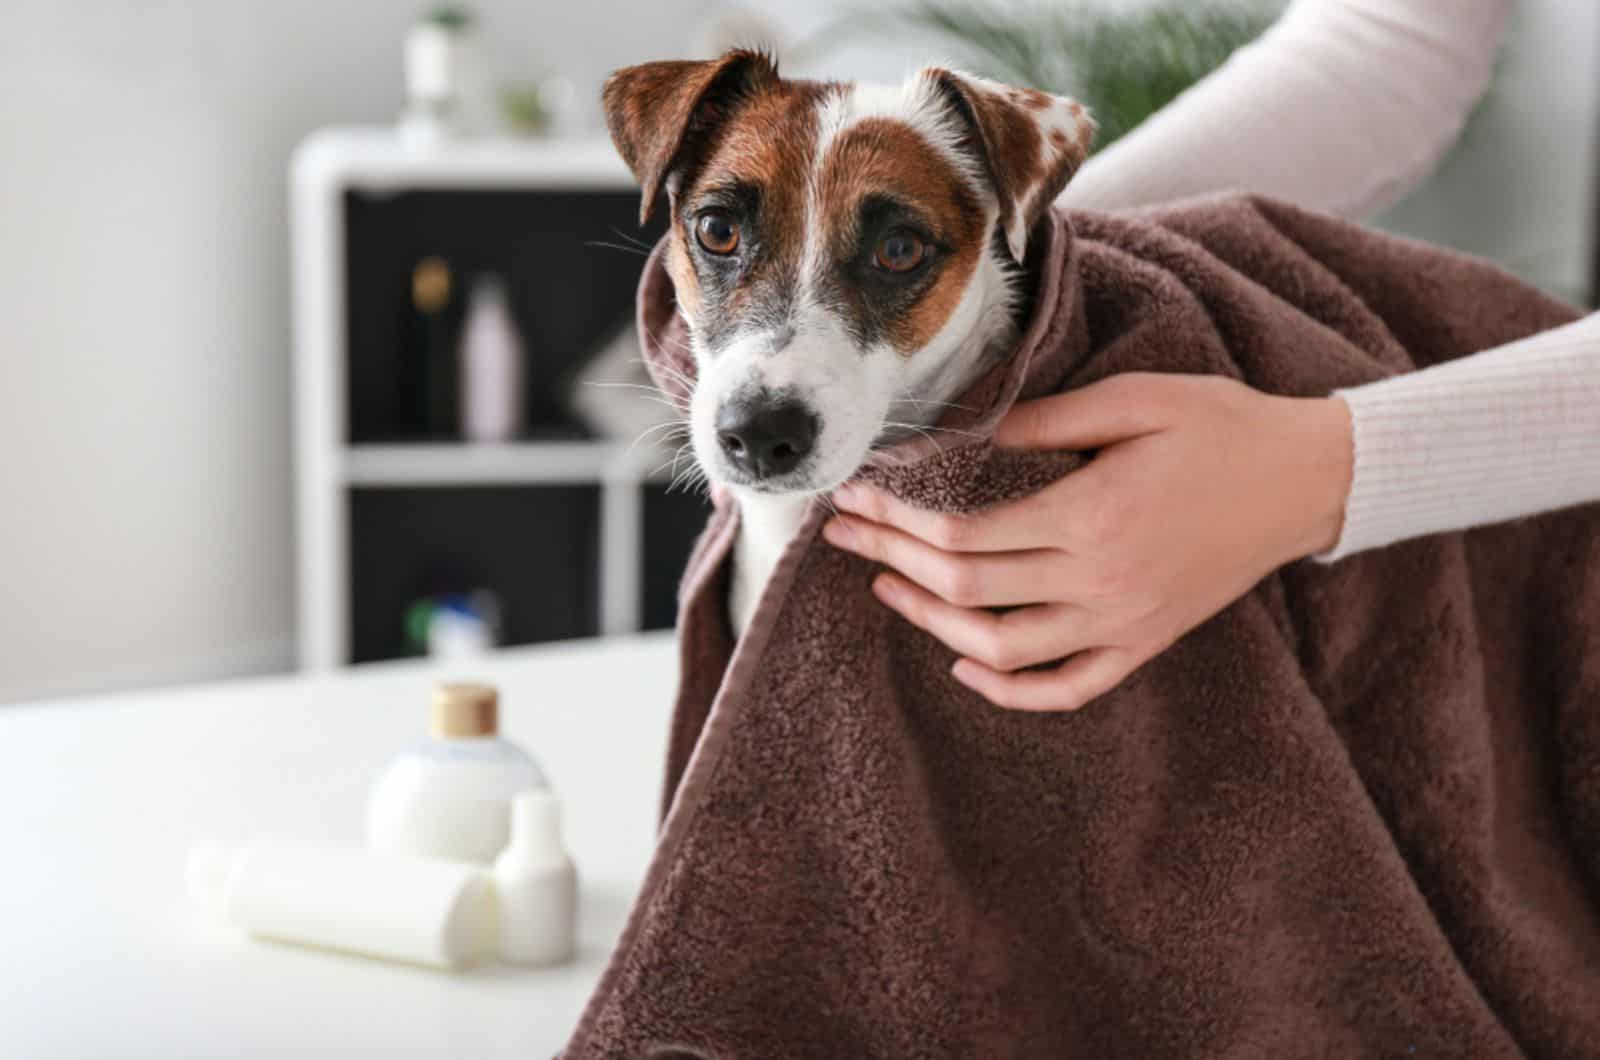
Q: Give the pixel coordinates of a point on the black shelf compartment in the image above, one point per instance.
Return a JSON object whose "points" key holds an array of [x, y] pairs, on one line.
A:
{"points": [[569, 294], [535, 547]]}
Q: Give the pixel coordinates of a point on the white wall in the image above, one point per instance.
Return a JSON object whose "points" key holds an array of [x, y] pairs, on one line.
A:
{"points": [[145, 521], [145, 491]]}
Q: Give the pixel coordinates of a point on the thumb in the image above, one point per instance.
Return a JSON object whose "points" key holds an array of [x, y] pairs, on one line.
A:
{"points": [[1091, 417]]}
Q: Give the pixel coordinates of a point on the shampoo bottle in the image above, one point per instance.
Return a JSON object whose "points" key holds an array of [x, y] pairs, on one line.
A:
{"points": [[491, 366], [536, 886], [450, 795], [418, 910]]}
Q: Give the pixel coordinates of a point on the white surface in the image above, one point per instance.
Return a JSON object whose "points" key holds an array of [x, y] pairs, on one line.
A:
{"points": [[376, 158], [100, 798], [493, 463]]}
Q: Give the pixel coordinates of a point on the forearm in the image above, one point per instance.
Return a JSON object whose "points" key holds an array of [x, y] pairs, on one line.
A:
{"points": [[1510, 432], [1342, 106]]}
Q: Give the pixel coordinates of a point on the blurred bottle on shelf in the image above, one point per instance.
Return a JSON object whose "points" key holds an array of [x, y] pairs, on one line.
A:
{"points": [[491, 365], [430, 376], [454, 625]]}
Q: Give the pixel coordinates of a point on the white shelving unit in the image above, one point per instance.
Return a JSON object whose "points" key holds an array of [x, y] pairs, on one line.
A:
{"points": [[326, 166]]}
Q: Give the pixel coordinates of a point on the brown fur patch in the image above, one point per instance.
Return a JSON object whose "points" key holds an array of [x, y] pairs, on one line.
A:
{"points": [[884, 157], [686, 286], [769, 144]]}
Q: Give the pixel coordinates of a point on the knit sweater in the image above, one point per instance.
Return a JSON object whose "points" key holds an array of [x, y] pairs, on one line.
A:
{"points": [[1344, 106]]}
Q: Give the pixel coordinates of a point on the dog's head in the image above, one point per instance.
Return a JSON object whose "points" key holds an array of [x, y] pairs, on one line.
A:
{"points": [[843, 253]]}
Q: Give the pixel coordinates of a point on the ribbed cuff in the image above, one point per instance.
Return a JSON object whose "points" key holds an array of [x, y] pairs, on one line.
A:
{"points": [[1507, 433]]}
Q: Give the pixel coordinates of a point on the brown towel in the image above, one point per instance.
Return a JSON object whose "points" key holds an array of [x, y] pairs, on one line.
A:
{"points": [[1357, 814]]}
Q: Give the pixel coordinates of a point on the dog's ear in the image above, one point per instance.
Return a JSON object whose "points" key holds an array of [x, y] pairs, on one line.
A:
{"points": [[1028, 142], [655, 110]]}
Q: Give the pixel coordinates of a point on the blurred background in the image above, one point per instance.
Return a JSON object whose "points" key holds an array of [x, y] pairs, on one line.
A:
{"points": [[314, 318]]}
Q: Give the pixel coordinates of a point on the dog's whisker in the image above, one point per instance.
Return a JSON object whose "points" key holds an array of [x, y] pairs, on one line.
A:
{"points": [[921, 432], [684, 477], [924, 429], [641, 393], [625, 386], [671, 461], [908, 399], [672, 375], [667, 370], [615, 246], [673, 430], [635, 240]]}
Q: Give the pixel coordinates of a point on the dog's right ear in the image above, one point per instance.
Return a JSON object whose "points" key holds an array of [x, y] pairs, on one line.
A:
{"points": [[655, 110]]}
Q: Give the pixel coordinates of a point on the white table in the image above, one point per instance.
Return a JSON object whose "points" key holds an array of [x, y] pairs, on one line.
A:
{"points": [[101, 954]]}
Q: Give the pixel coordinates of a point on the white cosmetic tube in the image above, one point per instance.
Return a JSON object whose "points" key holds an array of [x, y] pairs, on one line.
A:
{"points": [[418, 910]]}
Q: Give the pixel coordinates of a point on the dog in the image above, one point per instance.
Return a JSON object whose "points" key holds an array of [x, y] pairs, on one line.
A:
{"points": [[848, 258]]}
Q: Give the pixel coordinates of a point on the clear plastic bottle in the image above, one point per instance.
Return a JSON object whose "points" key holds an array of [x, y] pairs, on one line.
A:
{"points": [[450, 795]]}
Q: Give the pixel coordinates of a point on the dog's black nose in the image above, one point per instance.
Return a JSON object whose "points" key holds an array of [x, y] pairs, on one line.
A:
{"points": [[766, 439]]}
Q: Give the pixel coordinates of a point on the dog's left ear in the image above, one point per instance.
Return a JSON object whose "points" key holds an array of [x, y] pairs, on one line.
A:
{"points": [[1029, 143]]}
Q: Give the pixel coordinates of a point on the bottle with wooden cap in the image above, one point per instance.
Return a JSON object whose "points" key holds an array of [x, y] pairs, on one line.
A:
{"points": [[450, 795]]}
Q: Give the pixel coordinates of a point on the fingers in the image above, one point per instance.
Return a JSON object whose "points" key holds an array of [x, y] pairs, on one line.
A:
{"points": [[1091, 417], [1007, 528], [1067, 687], [1003, 642], [979, 579]]}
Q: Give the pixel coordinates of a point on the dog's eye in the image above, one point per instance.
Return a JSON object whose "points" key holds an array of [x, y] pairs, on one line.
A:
{"points": [[717, 232], [900, 251]]}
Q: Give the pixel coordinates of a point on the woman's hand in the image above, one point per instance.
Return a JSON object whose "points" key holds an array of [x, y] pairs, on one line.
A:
{"points": [[1201, 487]]}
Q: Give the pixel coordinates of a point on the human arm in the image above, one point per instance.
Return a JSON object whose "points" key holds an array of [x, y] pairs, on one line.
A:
{"points": [[1341, 106], [1202, 486], [1509, 432]]}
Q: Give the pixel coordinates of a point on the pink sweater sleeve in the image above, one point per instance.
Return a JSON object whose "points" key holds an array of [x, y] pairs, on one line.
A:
{"points": [[1344, 106]]}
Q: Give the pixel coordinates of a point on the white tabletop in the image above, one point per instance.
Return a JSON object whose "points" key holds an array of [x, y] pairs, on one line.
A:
{"points": [[102, 955]]}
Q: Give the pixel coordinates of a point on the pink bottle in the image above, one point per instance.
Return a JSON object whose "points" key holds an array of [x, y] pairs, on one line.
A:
{"points": [[490, 357]]}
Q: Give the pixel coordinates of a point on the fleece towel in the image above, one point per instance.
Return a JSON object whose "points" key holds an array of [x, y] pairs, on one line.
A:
{"points": [[1356, 814]]}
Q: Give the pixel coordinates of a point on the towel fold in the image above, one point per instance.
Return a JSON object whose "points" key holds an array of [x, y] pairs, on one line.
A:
{"points": [[1355, 814]]}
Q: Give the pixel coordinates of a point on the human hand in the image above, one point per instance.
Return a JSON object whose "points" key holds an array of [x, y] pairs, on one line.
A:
{"points": [[1201, 487]]}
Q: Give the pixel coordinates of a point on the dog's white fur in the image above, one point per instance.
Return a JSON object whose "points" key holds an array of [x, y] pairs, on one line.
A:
{"points": [[862, 396]]}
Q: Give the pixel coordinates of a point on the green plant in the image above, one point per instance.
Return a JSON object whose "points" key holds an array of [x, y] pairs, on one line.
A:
{"points": [[1124, 65], [523, 107], [452, 17]]}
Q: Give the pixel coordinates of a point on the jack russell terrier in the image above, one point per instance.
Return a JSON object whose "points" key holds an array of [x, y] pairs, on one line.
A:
{"points": [[848, 259]]}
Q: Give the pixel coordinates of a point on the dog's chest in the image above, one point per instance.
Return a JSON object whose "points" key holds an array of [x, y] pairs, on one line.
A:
{"points": [[767, 523]]}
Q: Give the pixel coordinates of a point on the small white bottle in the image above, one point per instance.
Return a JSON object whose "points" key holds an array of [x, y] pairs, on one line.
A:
{"points": [[450, 795], [536, 886], [491, 360], [417, 910]]}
